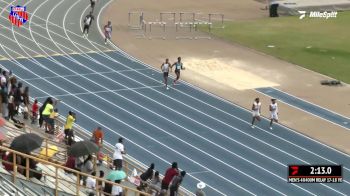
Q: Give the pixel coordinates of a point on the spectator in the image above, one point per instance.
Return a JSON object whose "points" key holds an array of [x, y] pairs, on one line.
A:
{"points": [[153, 186], [169, 175], [4, 102], [12, 85], [46, 112], [35, 108], [7, 161], [97, 137], [176, 182], [51, 121], [118, 154], [41, 109], [100, 183], [107, 190], [11, 106], [117, 190], [87, 168], [148, 174], [26, 102], [3, 78], [34, 172], [69, 124], [91, 182], [18, 96], [70, 163], [79, 161], [200, 187]]}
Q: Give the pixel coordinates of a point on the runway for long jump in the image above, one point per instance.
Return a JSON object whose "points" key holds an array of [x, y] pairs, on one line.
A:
{"points": [[209, 137]]}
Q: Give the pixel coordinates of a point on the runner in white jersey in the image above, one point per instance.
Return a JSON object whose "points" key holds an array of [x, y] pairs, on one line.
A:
{"points": [[165, 69], [108, 31], [256, 110], [274, 112]]}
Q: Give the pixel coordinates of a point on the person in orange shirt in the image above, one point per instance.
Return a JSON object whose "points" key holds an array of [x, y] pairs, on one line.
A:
{"points": [[97, 137]]}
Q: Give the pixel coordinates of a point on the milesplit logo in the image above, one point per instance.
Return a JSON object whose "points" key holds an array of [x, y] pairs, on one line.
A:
{"points": [[316, 14]]}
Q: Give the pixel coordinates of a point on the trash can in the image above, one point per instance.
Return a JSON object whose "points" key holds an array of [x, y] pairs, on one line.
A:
{"points": [[273, 10]]}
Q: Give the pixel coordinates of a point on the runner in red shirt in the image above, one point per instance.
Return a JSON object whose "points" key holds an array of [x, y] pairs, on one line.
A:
{"points": [[169, 175]]}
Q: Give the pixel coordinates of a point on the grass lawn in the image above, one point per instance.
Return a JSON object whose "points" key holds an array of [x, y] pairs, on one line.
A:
{"points": [[317, 44]]}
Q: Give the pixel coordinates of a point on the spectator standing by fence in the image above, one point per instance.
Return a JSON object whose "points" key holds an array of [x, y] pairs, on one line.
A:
{"points": [[97, 138], [69, 125], [200, 187], [169, 175], [18, 96], [35, 109], [41, 110], [26, 102], [118, 154], [46, 113], [4, 102], [11, 106], [176, 182]]}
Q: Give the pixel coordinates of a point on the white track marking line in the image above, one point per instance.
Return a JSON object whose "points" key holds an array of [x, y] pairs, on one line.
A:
{"points": [[86, 74], [199, 172], [106, 91], [298, 108]]}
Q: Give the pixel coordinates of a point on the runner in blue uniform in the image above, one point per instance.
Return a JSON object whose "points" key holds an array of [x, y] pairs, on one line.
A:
{"points": [[178, 66]]}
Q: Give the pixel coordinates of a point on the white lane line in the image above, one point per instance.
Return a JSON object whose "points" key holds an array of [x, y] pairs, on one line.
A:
{"points": [[106, 91], [313, 114], [176, 152], [86, 74], [199, 172]]}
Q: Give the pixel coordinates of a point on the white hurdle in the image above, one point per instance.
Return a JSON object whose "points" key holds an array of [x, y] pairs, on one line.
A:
{"points": [[161, 24]]}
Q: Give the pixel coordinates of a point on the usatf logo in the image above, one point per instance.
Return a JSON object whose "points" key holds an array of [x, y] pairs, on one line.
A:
{"points": [[314, 14], [18, 15]]}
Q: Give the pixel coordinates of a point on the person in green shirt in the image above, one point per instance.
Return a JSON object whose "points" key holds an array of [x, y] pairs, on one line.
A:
{"points": [[68, 132], [46, 113]]}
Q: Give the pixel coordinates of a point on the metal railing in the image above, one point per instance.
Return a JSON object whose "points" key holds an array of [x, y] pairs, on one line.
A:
{"points": [[129, 163], [78, 188]]}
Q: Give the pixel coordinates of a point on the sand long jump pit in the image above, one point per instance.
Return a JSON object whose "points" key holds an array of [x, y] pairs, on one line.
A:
{"points": [[228, 72]]}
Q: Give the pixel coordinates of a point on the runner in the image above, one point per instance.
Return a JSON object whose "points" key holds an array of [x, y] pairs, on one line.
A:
{"points": [[108, 31], [256, 107], [87, 23], [92, 2], [165, 69], [178, 67], [274, 112]]}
